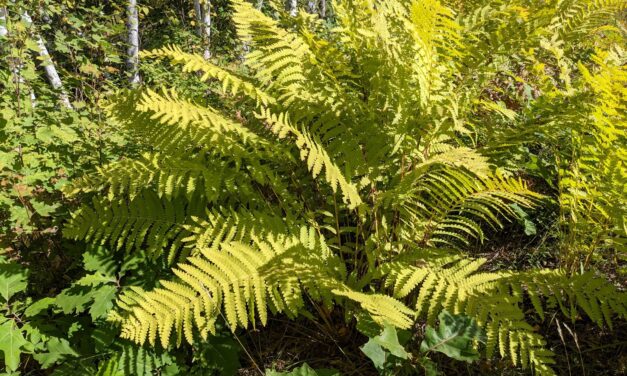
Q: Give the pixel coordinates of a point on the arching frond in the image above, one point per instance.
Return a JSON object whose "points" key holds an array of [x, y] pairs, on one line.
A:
{"points": [[311, 151], [495, 299], [237, 279], [145, 222], [192, 63]]}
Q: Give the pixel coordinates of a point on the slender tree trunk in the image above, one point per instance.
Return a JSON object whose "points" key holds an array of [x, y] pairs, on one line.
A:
{"points": [[49, 67], [206, 25], [132, 59], [203, 18], [3, 22], [198, 12], [293, 8], [323, 8], [312, 5]]}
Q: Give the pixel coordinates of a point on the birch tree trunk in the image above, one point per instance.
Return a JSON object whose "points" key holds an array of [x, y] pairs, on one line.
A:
{"points": [[203, 17], [323, 8], [49, 67], [3, 22], [132, 59], [311, 6], [198, 12], [293, 7], [206, 23]]}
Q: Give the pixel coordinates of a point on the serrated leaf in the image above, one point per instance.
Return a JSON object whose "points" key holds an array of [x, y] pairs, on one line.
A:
{"points": [[98, 259], [43, 209], [58, 349], [74, 299], [40, 305], [11, 344], [103, 301], [12, 280], [94, 279], [93, 287]]}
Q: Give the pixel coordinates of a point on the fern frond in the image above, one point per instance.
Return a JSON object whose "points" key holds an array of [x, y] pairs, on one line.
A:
{"points": [[236, 280], [199, 129], [170, 110], [219, 226], [130, 359], [449, 205], [582, 17], [495, 299], [192, 63], [169, 176], [278, 57], [314, 154], [383, 309], [144, 223]]}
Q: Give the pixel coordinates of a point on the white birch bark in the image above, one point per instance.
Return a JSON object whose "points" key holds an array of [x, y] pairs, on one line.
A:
{"points": [[311, 6], [3, 22], [132, 58], [49, 67], [206, 25], [203, 19], [323, 8], [293, 7]]}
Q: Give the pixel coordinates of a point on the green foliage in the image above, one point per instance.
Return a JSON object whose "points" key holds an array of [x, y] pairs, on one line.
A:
{"points": [[12, 279], [388, 111], [340, 169], [454, 337], [593, 180], [43, 144], [379, 348], [304, 370], [457, 336], [11, 343]]}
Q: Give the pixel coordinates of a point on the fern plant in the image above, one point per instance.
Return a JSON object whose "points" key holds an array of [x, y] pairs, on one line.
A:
{"points": [[346, 167]]}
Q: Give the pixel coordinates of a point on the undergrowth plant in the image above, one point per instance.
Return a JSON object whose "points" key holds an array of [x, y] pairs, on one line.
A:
{"points": [[43, 143], [353, 167]]}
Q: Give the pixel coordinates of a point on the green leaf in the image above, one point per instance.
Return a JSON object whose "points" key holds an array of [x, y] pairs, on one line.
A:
{"points": [[12, 280], [42, 208], [388, 339], [58, 349], [99, 259], [523, 217], [377, 347], [94, 280], [431, 369], [11, 343], [375, 353], [74, 299], [40, 305], [453, 337], [305, 370], [103, 301]]}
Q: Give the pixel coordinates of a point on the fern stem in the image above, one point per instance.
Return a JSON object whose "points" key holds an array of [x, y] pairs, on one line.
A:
{"points": [[242, 345]]}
